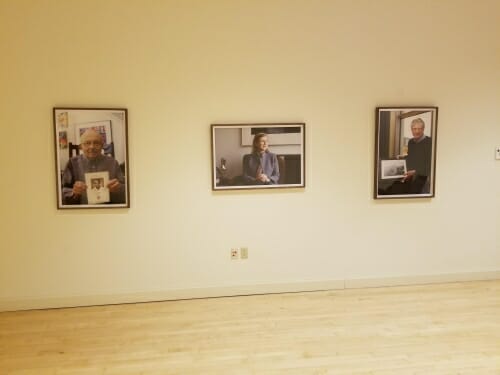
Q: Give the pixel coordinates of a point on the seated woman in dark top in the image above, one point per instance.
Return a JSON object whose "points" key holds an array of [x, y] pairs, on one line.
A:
{"points": [[261, 166]]}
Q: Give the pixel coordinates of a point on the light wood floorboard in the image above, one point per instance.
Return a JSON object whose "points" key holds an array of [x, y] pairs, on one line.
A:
{"points": [[433, 329]]}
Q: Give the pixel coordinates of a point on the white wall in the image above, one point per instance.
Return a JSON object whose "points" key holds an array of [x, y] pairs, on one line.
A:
{"points": [[179, 66]]}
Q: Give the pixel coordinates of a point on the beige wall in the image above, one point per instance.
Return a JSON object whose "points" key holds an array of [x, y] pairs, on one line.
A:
{"points": [[179, 66]]}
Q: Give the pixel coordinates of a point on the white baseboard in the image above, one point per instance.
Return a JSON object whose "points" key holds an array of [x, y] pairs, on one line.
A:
{"points": [[167, 295], [178, 294], [421, 279]]}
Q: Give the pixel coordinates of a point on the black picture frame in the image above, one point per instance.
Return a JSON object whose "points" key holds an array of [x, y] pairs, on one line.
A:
{"points": [[91, 144], [410, 134], [237, 165]]}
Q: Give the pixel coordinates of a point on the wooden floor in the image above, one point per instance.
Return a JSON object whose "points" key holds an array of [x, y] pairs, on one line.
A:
{"points": [[434, 329]]}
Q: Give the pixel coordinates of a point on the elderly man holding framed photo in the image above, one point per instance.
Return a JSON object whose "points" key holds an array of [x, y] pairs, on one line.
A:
{"points": [[419, 159], [407, 135], [92, 164]]}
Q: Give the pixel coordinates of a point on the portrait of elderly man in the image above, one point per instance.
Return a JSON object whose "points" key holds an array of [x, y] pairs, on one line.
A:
{"points": [[406, 135], [419, 159], [92, 159]]}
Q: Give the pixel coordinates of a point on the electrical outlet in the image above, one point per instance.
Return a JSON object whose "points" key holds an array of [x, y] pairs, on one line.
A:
{"points": [[244, 252], [234, 253], [497, 153]]}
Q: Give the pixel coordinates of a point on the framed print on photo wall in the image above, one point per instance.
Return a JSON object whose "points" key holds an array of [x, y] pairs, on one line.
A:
{"points": [[258, 156], [405, 152], [91, 157]]}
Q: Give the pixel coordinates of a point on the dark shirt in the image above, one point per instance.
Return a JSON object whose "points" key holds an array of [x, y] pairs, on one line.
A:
{"points": [[420, 156], [419, 159], [266, 162], [79, 165]]}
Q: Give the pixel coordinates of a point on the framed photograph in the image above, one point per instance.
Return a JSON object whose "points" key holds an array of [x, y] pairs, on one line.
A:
{"points": [[258, 156], [393, 168], [91, 157], [280, 135], [97, 187], [405, 152]]}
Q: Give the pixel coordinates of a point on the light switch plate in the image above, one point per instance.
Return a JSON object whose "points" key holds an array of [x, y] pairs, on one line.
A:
{"points": [[244, 252]]}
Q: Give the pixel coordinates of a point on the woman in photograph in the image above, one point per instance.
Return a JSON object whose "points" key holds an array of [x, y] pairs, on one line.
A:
{"points": [[261, 166]]}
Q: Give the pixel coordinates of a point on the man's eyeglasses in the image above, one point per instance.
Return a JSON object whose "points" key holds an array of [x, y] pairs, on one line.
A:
{"points": [[92, 143]]}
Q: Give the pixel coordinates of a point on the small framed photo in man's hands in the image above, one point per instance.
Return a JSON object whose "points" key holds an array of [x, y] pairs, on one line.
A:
{"points": [[258, 156], [393, 169], [405, 152], [97, 187], [91, 157]]}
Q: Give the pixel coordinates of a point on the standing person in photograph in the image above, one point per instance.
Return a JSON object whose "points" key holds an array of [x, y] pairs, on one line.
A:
{"points": [[74, 189], [261, 166], [418, 160]]}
